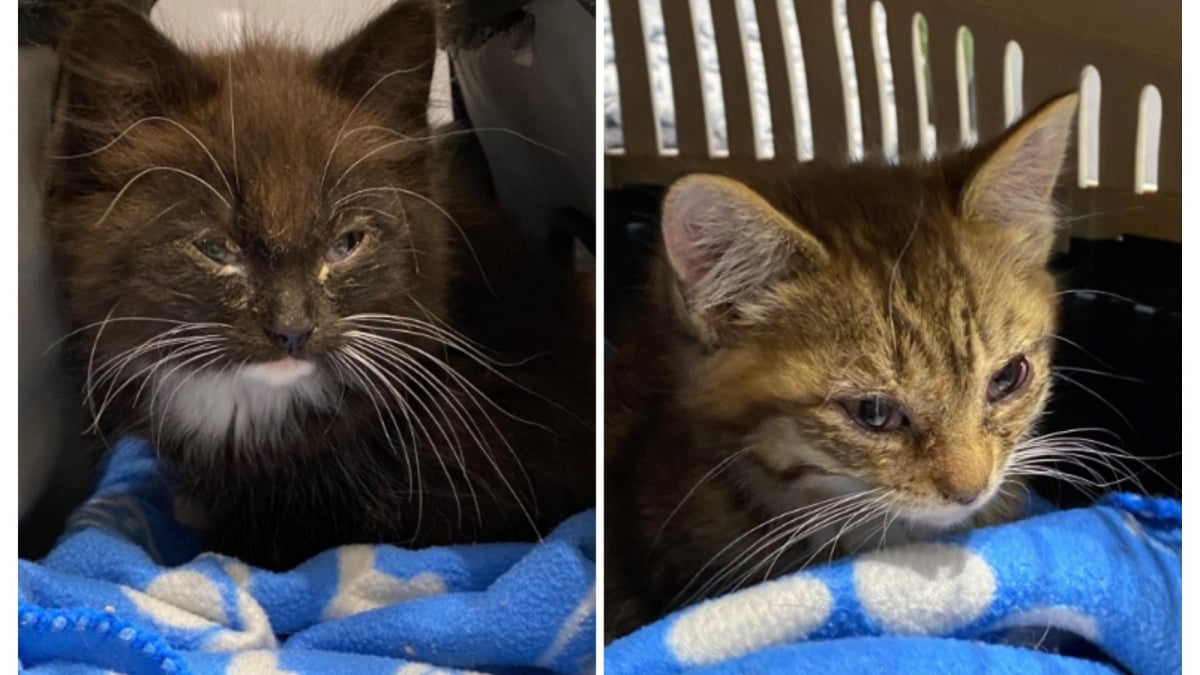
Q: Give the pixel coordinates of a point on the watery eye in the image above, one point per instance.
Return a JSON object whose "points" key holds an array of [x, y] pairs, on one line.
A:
{"points": [[876, 413], [345, 245], [1009, 380], [218, 250]]}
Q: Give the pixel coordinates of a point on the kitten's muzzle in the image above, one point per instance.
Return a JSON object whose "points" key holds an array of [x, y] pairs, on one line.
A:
{"points": [[290, 340]]}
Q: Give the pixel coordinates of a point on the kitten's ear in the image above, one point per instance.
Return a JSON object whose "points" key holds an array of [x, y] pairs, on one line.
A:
{"points": [[726, 244], [117, 67], [388, 64], [1013, 186]]}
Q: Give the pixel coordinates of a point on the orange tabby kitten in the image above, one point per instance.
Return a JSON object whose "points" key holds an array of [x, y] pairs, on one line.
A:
{"points": [[829, 360]]}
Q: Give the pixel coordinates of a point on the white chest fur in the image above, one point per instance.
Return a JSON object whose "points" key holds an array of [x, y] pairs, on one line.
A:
{"points": [[250, 404]]}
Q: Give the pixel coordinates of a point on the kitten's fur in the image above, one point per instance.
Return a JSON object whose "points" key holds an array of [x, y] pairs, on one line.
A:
{"points": [[468, 426], [778, 300]]}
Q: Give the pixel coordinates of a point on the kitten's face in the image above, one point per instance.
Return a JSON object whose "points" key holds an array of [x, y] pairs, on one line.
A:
{"points": [[876, 329], [919, 383], [275, 203]]}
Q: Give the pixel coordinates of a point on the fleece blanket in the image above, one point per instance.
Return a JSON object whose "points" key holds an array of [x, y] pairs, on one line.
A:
{"points": [[127, 590], [1094, 590]]}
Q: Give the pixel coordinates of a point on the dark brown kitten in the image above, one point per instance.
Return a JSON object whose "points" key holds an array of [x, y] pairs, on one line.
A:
{"points": [[830, 360], [305, 297]]}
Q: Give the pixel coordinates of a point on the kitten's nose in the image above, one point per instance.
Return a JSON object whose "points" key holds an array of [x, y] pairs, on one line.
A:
{"points": [[963, 476], [964, 496], [290, 340]]}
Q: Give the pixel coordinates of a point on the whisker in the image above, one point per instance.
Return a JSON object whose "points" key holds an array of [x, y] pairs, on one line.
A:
{"points": [[1080, 347], [1075, 449], [450, 437], [468, 386], [370, 365], [210, 357], [1089, 371], [112, 319], [144, 172], [415, 139], [357, 104], [812, 510], [148, 371], [405, 356], [895, 269], [96, 375], [365, 383], [1097, 396], [708, 475], [446, 214], [416, 328], [1093, 291], [232, 122], [790, 532], [181, 127]]}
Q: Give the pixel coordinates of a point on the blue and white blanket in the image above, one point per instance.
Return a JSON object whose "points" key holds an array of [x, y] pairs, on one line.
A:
{"points": [[124, 590], [1095, 590]]}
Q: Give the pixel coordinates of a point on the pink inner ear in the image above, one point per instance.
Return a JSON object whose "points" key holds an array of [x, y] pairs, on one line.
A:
{"points": [[1016, 186], [1034, 169], [688, 225]]}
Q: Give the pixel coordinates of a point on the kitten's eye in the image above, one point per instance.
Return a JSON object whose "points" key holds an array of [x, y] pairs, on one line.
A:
{"points": [[876, 413], [345, 245], [1009, 380], [220, 251]]}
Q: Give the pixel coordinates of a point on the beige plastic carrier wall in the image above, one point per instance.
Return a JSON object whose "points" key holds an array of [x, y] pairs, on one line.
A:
{"points": [[904, 78]]}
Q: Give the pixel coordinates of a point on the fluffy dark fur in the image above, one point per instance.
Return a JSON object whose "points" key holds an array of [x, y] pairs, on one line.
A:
{"points": [[214, 212]]}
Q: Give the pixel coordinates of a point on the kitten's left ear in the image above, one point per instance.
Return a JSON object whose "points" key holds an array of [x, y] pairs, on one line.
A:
{"points": [[117, 67], [1012, 188], [727, 245], [388, 64]]}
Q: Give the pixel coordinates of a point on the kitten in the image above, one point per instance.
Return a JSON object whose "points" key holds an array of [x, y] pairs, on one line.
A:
{"points": [[835, 359], [306, 298]]}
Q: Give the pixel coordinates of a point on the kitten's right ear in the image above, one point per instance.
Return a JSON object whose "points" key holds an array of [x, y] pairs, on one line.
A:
{"points": [[117, 67], [726, 244]]}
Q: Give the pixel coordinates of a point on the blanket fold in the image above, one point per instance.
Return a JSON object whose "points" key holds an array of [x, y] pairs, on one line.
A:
{"points": [[1091, 590], [127, 589]]}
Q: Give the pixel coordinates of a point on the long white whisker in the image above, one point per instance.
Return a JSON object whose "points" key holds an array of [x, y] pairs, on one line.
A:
{"points": [[114, 391], [232, 123], [832, 501], [415, 139], [405, 356], [210, 357], [143, 172], [449, 436], [118, 319], [357, 104], [1101, 373], [446, 214], [708, 475], [365, 383], [1097, 396], [792, 530], [370, 366], [168, 120]]}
